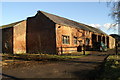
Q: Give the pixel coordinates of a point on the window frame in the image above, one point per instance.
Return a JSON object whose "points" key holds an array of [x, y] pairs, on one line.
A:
{"points": [[65, 39], [75, 40]]}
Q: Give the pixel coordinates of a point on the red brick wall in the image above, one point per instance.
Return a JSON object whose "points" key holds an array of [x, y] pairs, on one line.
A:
{"points": [[7, 40], [111, 42], [19, 37], [41, 36], [0, 40], [71, 32], [76, 32]]}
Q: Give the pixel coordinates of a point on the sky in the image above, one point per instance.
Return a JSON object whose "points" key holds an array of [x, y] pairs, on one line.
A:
{"points": [[90, 13]]}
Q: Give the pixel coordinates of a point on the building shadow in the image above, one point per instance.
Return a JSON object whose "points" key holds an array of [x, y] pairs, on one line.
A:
{"points": [[8, 77]]}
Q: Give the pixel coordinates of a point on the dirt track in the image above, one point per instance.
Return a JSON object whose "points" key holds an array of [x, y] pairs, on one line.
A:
{"points": [[83, 68]]}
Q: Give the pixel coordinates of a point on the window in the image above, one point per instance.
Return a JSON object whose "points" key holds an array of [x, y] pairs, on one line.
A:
{"points": [[75, 40], [65, 39], [87, 41]]}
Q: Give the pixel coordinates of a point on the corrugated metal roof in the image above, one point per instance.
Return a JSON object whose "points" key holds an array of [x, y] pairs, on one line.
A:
{"points": [[71, 23]]}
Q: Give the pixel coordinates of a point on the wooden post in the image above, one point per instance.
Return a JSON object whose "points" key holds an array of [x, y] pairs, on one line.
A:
{"points": [[84, 43], [84, 49], [61, 50]]}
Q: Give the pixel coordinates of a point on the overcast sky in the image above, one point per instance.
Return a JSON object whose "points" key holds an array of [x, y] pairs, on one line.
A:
{"points": [[90, 13]]}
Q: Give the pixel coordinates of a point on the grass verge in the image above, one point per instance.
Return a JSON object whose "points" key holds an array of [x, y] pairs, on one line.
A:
{"points": [[39, 57], [111, 69]]}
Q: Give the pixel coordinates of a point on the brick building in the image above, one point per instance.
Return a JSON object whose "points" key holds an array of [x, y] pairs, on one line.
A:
{"points": [[48, 33], [14, 37]]}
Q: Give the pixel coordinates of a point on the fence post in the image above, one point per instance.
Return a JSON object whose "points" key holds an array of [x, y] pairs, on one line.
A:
{"points": [[84, 48]]}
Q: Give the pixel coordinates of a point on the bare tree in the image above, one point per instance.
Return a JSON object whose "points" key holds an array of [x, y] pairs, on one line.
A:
{"points": [[115, 13]]}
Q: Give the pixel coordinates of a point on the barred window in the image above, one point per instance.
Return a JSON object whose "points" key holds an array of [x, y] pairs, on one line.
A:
{"points": [[65, 39]]}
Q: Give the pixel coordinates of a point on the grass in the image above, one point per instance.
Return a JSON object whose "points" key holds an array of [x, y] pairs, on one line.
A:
{"points": [[112, 68], [38, 57]]}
